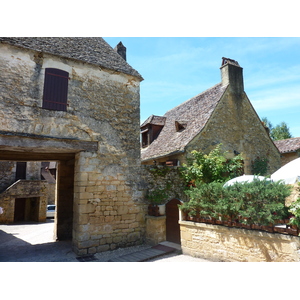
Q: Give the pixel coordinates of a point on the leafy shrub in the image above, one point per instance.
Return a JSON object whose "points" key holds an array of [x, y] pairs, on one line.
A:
{"points": [[257, 202], [260, 166], [211, 167], [295, 210], [157, 196]]}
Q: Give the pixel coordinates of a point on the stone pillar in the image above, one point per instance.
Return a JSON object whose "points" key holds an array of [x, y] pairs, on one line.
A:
{"points": [[64, 202], [155, 229]]}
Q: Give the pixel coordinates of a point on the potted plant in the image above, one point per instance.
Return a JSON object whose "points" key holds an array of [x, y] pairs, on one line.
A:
{"points": [[157, 199]]}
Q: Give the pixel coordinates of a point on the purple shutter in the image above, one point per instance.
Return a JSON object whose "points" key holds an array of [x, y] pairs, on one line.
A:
{"points": [[55, 89]]}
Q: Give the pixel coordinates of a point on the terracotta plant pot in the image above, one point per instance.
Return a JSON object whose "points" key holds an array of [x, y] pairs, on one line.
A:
{"points": [[256, 227], [292, 231], [246, 226], [219, 222], [268, 228], [280, 229]]}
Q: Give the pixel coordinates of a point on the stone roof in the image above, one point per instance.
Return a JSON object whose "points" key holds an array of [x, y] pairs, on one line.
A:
{"points": [[155, 120], [288, 145], [195, 113], [93, 50]]}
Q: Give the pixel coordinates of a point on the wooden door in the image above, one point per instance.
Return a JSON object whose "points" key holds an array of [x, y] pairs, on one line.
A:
{"points": [[19, 215], [172, 218]]}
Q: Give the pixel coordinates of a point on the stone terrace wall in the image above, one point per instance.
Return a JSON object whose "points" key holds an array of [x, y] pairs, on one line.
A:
{"points": [[220, 243]]}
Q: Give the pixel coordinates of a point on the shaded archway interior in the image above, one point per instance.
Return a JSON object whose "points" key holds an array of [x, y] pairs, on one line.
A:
{"points": [[65, 183]]}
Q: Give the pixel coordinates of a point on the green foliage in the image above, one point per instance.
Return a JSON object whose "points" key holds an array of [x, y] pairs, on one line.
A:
{"points": [[211, 167], [157, 196], [295, 210], [159, 171], [279, 132], [257, 202], [260, 166]]}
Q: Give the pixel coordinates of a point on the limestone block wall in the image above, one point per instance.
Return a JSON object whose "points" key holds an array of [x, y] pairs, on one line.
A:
{"points": [[7, 174], [220, 243], [103, 106], [37, 189], [236, 125], [287, 157], [155, 230]]}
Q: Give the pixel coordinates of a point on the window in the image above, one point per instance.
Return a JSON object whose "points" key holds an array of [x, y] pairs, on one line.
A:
{"points": [[55, 89], [150, 134], [21, 170], [180, 125]]}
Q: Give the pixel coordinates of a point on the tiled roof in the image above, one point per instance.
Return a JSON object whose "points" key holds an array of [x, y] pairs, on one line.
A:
{"points": [[155, 120], [195, 112], [288, 145], [93, 50]]}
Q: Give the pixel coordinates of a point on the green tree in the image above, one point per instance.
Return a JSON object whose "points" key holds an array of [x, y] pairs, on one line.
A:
{"points": [[279, 132]]}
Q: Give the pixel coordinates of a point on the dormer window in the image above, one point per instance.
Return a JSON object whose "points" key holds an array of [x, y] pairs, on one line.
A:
{"points": [[180, 125], [151, 129]]}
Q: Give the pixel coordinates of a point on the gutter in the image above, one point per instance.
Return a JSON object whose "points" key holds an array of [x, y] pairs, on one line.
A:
{"points": [[161, 156]]}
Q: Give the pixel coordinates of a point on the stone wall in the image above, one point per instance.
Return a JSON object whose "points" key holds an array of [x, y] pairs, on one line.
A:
{"points": [[155, 230], [236, 125], [220, 243], [26, 189], [287, 157], [162, 177], [7, 174], [103, 107]]}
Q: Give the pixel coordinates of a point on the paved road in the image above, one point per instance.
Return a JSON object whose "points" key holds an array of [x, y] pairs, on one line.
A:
{"points": [[33, 242]]}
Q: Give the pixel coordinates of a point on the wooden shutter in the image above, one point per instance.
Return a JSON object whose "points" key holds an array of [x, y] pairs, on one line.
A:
{"points": [[55, 89], [21, 170]]}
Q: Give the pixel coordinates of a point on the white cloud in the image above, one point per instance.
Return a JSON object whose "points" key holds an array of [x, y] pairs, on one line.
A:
{"points": [[276, 98]]}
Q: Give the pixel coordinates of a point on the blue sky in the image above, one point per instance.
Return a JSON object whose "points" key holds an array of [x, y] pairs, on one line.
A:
{"points": [[175, 69]]}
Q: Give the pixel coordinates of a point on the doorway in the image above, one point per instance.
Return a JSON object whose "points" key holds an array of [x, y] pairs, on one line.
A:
{"points": [[172, 221], [26, 209]]}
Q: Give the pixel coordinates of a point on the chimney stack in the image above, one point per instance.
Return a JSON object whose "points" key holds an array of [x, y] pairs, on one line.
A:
{"points": [[232, 74], [121, 50]]}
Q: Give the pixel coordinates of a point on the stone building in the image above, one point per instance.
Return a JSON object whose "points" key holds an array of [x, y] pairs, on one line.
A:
{"points": [[289, 149], [75, 101], [221, 114], [23, 195]]}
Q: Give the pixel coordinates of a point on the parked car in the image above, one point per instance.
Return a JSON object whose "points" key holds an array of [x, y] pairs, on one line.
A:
{"points": [[50, 211]]}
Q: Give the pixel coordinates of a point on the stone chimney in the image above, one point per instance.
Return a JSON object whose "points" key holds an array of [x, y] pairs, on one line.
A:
{"points": [[121, 50], [232, 74]]}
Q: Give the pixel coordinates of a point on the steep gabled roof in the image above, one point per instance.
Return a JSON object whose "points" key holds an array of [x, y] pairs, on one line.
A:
{"points": [[195, 113], [93, 50], [288, 145], [155, 120]]}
